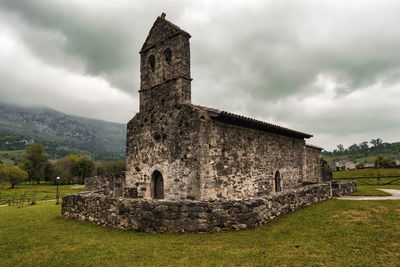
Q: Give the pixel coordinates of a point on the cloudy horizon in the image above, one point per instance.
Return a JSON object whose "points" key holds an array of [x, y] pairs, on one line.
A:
{"points": [[328, 68]]}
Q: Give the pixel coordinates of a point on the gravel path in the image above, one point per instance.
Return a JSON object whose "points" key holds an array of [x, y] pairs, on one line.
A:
{"points": [[395, 195]]}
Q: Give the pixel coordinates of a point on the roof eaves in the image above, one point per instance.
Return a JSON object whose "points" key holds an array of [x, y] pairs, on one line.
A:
{"points": [[316, 147], [240, 120]]}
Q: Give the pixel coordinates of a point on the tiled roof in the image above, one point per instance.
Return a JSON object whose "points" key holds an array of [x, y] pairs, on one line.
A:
{"points": [[316, 147], [227, 117]]}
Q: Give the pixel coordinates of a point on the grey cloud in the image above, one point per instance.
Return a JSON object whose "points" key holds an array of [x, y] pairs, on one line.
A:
{"points": [[252, 58]]}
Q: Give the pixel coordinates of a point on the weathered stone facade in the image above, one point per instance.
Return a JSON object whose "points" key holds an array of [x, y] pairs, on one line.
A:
{"points": [[202, 153]]}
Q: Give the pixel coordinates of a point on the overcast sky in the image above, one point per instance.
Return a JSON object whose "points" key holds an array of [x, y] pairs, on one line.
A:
{"points": [[329, 68]]}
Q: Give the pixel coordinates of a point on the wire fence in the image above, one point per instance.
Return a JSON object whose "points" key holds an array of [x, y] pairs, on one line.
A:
{"points": [[379, 180], [23, 199]]}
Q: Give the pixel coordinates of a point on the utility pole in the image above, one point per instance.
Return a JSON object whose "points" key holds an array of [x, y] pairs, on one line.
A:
{"points": [[377, 165], [57, 194]]}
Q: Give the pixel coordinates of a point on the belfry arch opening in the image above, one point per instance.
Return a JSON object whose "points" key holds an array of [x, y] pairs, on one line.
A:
{"points": [[278, 182], [152, 62], [157, 185], [168, 56]]}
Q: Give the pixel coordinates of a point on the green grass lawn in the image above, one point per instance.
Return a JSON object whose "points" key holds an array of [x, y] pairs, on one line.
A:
{"points": [[37, 190], [364, 186], [370, 172], [365, 190], [332, 233]]}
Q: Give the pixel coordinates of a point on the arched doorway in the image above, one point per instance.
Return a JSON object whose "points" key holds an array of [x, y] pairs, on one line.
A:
{"points": [[277, 182], [157, 185]]}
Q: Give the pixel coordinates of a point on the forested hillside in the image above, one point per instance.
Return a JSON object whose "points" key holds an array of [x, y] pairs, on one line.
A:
{"points": [[60, 133], [365, 152]]}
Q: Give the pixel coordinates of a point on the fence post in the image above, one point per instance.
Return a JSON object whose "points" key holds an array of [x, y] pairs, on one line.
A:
{"points": [[13, 200], [23, 199], [33, 201]]}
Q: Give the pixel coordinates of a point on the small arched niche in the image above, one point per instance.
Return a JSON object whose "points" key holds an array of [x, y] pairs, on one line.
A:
{"points": [[278, 187], [168, 55], [157, 185], [151, 61]]}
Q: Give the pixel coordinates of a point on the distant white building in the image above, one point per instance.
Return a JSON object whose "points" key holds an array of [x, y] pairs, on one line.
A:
{"points": [[346, 165], [369, 165]]}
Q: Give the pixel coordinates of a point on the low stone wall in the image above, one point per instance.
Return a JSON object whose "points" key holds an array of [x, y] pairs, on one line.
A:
{"points": [[340, 188], [188, 215]]}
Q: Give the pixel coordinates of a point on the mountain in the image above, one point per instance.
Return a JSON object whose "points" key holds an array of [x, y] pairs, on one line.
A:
{"points": [[60, 133]]}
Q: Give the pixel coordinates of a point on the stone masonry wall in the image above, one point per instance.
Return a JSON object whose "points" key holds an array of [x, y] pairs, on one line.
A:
{"points": [[164, 140], [106, 184], [113, 185], [240, 162], [167, 80], [191, 216], [312, 164], [340, 188], [202, 159]]}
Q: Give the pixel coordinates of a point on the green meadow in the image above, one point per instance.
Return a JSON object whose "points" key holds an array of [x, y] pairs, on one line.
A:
{"points": [[368, 187], [31, 190], [331, 233]]}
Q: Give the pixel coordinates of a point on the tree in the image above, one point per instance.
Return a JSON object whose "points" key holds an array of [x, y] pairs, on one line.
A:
{"points": [[376, 142], [340, 148], [110, 167], [49, 172], [83, 168], [3, 175], [64, 168], [363, 145], [353, 148], [384, 162], [16, 175], [34, 162]]}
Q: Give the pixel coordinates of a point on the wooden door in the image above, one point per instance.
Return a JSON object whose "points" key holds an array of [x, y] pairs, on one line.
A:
{"points": [[158, 186]]}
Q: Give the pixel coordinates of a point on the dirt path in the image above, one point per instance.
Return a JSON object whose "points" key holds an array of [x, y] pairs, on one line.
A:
{"points": [[395, 195]]}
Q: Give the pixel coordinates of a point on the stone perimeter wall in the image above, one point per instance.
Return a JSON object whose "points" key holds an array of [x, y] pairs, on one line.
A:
{"points": [[340, 188], [188, 215]]}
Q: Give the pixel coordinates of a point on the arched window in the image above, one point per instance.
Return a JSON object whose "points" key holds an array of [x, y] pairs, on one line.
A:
{"points": [[152, 62], [168, 55], [277, 182], [157, 185]]}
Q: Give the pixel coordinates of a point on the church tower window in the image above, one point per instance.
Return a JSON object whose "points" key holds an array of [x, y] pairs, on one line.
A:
{"points": [[168, 55], [152, 62]]}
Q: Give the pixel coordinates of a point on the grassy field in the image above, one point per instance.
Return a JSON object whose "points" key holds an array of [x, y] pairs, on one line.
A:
{"points": [[37, 190], [370, 172], [364, 189], [8, 156], [332, 233]]}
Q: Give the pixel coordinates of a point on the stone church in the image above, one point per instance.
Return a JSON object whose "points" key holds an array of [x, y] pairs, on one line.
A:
{"points": [[177, 150], [198, 169]]}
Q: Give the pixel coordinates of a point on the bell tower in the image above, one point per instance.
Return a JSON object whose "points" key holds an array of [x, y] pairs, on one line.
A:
{"points": [[165, 67]]}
